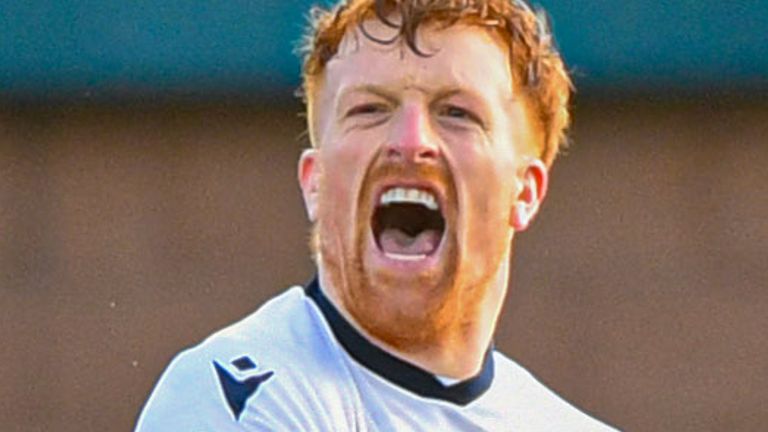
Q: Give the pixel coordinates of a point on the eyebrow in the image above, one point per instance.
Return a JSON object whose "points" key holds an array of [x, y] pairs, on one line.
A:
{"points": [[441, 93], [368, 88]]}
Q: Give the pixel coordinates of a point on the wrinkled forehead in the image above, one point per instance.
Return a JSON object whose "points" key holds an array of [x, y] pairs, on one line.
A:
{"points": [[459, 55]]}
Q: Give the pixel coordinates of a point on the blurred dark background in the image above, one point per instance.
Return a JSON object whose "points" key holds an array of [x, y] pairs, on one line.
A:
{"points": [[148, 197]]}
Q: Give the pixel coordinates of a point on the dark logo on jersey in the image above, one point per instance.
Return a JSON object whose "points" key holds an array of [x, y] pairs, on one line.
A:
{"points": [[236, 391]]}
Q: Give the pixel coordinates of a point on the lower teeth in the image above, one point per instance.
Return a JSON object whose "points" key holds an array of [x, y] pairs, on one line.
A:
{"points": [[402, 257]]}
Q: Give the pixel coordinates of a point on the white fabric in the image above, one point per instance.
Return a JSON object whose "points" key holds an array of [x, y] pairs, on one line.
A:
{"points": [[317, 386]]}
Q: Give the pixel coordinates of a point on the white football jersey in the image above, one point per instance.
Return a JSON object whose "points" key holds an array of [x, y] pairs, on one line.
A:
{"points": [[297, 365]]}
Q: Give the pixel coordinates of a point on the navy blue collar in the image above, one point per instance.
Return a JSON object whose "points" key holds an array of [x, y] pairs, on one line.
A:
{"points": [[391, 368]]}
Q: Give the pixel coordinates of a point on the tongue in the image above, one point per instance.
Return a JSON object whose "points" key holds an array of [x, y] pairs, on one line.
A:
{"points": [[395, 241]]}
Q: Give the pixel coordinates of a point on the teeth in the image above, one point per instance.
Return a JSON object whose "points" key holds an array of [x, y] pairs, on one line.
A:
{"points": [[401, 257], [409, 195]]}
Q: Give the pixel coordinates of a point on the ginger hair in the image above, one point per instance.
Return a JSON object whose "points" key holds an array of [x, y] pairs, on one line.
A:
{"points": [[537, 67]]}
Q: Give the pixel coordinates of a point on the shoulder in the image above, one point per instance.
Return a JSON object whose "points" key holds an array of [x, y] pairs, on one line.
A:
{"points": [[263, 371], [535, 406]]}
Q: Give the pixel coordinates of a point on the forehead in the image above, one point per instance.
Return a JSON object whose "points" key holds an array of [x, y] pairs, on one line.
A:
{"points": [[463, 57]]}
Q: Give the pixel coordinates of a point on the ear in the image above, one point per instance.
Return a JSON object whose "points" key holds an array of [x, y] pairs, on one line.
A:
{"points": [[309, 181], [532, 189]]}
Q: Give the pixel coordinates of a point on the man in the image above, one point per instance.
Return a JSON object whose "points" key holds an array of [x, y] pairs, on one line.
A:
{"points": [[433, 125]]}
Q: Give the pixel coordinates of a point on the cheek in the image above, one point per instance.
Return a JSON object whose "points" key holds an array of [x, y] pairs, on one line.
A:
{"points": [[342, 173], [490, 204], [485, 183]]}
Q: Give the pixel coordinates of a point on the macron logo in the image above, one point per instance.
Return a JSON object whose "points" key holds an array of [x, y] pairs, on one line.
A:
{"points": [[237, 391]]}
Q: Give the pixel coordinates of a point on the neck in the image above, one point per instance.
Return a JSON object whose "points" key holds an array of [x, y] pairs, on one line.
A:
{"points": [[459, 349]]}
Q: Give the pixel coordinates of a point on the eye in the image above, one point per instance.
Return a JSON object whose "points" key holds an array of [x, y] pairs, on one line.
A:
{"points": [[459, 113], [366, 109], [455, 112]]}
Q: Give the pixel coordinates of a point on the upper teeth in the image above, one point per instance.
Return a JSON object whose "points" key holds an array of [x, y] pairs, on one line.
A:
{"points": [[409, 195]]}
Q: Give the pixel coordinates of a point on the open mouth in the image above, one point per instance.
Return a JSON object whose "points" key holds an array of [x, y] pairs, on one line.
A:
{"points": [[408, 223]]}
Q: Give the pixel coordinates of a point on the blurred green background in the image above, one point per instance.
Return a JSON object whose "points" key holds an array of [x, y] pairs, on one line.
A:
{"points": [[96, 48], [148, 198]]}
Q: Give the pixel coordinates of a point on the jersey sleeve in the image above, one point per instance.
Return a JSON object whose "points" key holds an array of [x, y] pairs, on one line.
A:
{"points": [[186, 398], [202, 394], [275, 370], [199, 394]]}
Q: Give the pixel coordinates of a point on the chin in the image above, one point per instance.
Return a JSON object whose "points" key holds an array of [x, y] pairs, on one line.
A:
{"points": [[406, 310], [404, 304], [396, 267]]}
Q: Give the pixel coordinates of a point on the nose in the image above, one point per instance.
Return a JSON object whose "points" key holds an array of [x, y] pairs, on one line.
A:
{"points": [[413, 139]]}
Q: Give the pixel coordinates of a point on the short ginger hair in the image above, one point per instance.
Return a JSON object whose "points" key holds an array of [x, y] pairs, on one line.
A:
{"points": [[537, 67]]}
